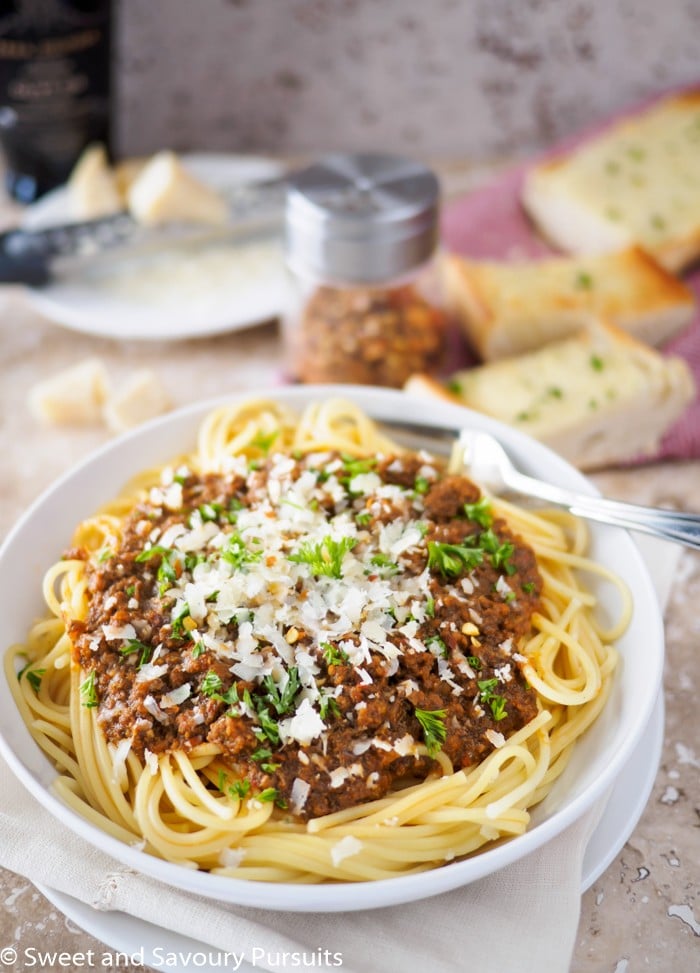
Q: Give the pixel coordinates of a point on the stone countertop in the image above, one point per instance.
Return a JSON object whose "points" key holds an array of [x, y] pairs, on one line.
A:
{"points": [[642, 913]]}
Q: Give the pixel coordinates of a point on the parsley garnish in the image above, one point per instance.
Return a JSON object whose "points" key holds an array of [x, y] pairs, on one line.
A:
{"points": [[500, 554], [236, 552], [333, 655], [211, 684], [355, 466], [528, 587], [329, 706], [134, 645], [263, 441], [105, 554], [455, 387], [88, 691], [436, 640], [384, 562], [209, 511], [177, 625], [198, 649], [240, 788], [268, 795], [480, 512], [451, 559], [363, 518], [131, 590], [325, 557], [281, 702], [496, 703], [434, 730], [584, 281], [596, 363], [422, 485], [430, 608], [33, 677]]}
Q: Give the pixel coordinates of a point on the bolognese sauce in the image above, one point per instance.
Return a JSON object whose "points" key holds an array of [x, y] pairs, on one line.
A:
{"points": [[332, 623]]}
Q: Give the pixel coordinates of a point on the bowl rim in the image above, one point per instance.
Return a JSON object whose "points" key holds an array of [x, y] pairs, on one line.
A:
{"points": [[381, 404]]}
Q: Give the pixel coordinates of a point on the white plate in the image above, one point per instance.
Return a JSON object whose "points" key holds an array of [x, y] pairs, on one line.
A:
{"points": [[183, 292], [628, 798], [597, 760]]}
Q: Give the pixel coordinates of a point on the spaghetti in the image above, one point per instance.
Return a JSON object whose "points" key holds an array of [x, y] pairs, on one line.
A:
{"points": [[301, 654]]}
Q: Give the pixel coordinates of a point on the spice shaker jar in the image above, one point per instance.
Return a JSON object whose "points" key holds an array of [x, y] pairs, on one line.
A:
{"points": [[361, 238]]}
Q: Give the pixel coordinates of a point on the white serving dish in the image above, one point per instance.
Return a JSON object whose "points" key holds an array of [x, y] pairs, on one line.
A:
{"points": [[45, 531]]}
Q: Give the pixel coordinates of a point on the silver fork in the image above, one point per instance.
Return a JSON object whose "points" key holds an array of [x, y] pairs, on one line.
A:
{"points": [[489, 465]]}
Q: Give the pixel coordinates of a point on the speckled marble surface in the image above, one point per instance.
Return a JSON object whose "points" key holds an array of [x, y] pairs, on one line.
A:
{"points": [[643, 912]]}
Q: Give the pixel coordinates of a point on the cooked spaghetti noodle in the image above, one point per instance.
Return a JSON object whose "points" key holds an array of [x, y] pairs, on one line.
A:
{"points": [[301, 654]]}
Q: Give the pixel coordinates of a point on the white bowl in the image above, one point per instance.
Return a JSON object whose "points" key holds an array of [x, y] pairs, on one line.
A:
{"points": [[46, 529]]}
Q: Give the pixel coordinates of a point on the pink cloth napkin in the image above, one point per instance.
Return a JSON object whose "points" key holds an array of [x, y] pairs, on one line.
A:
{"points": [[490, 223]]}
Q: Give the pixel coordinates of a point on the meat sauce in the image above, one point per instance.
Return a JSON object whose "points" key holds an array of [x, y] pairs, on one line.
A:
{"points": [[319, 618]]}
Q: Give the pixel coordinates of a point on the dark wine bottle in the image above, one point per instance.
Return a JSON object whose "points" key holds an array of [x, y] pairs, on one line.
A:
{"points": [[54, 88]]}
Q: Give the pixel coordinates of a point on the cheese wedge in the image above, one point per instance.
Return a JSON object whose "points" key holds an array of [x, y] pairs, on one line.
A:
{"points": [[508, 308], [140, 398], [92, 189], [126, 171], [75, 395], [164, 191], [598, 398], [637, 182]]}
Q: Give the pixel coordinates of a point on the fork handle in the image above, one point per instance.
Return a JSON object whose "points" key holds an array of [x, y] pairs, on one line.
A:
{"points": [[683, 528]]}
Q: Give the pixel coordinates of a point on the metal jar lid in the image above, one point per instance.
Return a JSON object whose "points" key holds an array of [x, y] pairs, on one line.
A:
{"points": [[361, 218]]}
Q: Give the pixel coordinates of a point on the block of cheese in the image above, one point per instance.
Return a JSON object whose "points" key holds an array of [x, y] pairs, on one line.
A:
{"points": [[126, 172], [141, 397], [92, 188], [508, 308], [164, 191], [597, 398], [74, 395], [637, 182]]}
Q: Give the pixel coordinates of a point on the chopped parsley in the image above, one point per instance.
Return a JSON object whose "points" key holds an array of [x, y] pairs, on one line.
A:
{"points": [[282, 701], [364, 518], [328, 706], [88, 691], [269, 795], [325, 557], [500, 553], [239, 789], [211, 684], [263, 441], [210, 511], [584, 281], [131, 591], [385, 564], [133, 646], [434, 730], [178, 621], [430, 608], [455, 387], [237, 553], [105, 554], [439, 643], [528, 587], [495, 702], [596, 363], [479, 512], [451, 559], [333, 655], [421, 485], [33, 676]]}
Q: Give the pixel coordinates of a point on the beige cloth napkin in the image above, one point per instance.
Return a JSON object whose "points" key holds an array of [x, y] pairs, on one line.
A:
{"points": [[523, 918]]}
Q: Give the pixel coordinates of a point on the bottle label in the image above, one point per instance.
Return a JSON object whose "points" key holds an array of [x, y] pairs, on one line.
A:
{"points": [[54, 85]]}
